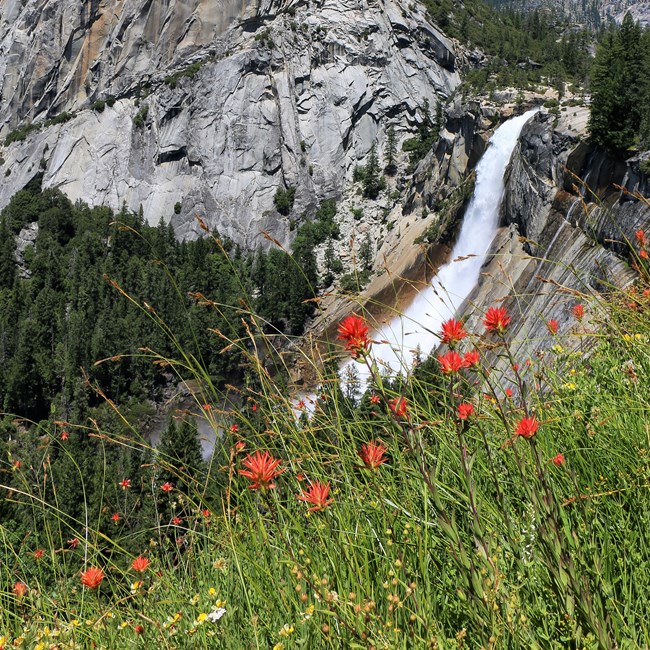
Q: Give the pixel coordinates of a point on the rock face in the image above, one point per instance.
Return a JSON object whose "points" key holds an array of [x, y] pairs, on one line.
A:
{"points": [[212, 106], [562, 239], [462, 142]]}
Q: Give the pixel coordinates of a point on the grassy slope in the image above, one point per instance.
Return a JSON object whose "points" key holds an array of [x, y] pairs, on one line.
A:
{"points": [[469, 536]]}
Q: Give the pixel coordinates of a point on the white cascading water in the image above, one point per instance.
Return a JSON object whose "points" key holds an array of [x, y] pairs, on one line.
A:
{"points": [[417, 327]]}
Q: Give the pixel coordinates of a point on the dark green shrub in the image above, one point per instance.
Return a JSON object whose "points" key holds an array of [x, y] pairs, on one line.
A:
{"points": [[141, 116], [283, 200], [190, 72], [18, 135]]}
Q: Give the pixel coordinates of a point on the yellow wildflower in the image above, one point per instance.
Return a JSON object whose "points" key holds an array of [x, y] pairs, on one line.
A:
{"points": [[286, 631]]}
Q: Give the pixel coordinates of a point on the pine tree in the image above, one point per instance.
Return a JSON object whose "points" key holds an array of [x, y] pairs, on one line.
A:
{"points": [[391, 150], [605, 120], [352, 384], [373, 181], [617, 88], [634, 76], [302, 280], [644, 129], [180, 452], [329, 260], [366, 253], [7, 256]]}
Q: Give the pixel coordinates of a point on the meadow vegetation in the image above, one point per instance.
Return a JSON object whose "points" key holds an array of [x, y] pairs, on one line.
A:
{"points": [[458, 507]]}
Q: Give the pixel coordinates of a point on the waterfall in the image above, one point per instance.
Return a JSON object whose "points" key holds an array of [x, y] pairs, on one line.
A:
{"points": [[416, 328]]}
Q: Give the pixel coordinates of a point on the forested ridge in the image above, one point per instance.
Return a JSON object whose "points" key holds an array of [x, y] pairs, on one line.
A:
{"points": [[531, 46], [60, 310], [522, 47]]}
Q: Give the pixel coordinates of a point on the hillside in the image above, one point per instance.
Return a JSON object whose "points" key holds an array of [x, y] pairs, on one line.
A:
{"points": [[594, 13]]}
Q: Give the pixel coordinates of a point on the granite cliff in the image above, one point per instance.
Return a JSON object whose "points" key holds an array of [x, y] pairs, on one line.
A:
{"points": [[186, 108]]}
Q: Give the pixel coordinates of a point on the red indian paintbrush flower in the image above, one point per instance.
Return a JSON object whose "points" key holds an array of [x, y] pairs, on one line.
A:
{"points": [[375, 399], [354, 332], [558, 460], [527, 427], [115, 517], [452, 331], [471, 359], [465, 411], [579, 312], [398, 406], [262, 468], [125, 483], [20, 589], [167, 487], [373, 454], [318, 494], [553, 326], [92, 577], [450, 362], [140, 564], [496, 319], [38, 553], [640, 236]]}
